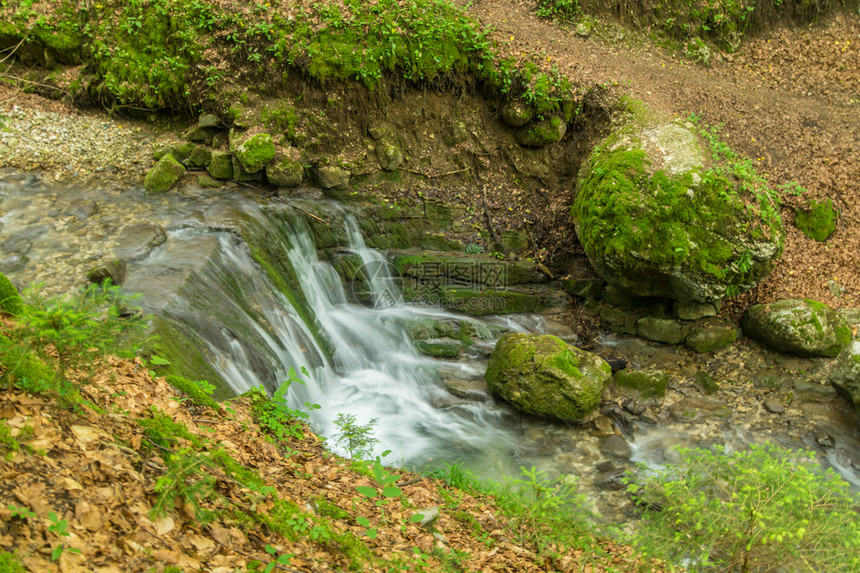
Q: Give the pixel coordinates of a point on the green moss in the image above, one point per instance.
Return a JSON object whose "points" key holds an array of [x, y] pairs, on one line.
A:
{"points": [[164, 174], [439, 348], [186, 360], [818, 221], [10, 300], [484, 302], [195, 390], [706, 382], [255, 152]]}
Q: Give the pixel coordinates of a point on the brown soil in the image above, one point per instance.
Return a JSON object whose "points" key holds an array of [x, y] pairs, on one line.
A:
{"points": [[789, 99]]}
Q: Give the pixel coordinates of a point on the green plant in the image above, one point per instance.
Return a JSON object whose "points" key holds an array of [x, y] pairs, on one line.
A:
{"points": [[357, 439], [564, 10], [474, 249], [10, 300], [283, 559], [9, 563], [749, 510], [60, 528], [273, 415]]}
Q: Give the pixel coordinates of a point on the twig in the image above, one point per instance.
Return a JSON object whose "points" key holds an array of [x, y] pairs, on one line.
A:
{"points": [[437, 174], [143, 527], [487, 216], [12, 50], [16, 78], [410, 481], [309, 214]]}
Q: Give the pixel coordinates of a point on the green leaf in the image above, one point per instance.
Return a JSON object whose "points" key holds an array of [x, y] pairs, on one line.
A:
{"points": [[362, 521], [391, 491], [271, 550], [366, 491], [156, 360], [372, 533], [416, 518]]}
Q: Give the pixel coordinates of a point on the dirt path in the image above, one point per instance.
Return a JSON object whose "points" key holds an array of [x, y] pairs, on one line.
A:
{"points": [[790, 100]]}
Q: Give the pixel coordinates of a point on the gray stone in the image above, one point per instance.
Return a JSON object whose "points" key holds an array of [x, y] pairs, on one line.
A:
{"points": [[801, 327], [516, 113], [773, 406], [255, 152], [541, 133], [163, 175], [706, 382], [82, 209], [198, 134], [17, 245], [845, 374], [430, 516], [458, 132], [616, 447], [711, 335], [199, 158], [646, 383], [583, 29], [219, 139], [698, 409], [696, 50], [114, 270], [285, 171], [665, 330], [691, 310], [208, 120], [618, 320], [851, 316], [242, 176], [332, 177], [388, 156], [221, 165], [137, 241]]}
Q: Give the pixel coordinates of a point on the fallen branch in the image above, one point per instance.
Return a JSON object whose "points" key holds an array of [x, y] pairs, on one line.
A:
{"points": [[436, 175]]}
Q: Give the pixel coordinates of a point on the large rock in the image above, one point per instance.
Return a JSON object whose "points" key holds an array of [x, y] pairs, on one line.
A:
{"points": [[388, 155], [541, 374], [657, 217], [541, 133], [801, 327], [255, 152], [163, 175], [286, 169], [332, 177], [845, 374]]}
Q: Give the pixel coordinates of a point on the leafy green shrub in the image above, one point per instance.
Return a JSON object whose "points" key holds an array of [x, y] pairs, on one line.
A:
{"points": [[357, 439], [273, 415], [10, 300], [9, 563], [565, 10], [198, 391], [752, 510]]}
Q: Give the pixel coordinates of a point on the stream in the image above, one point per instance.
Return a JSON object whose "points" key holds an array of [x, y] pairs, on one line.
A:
{"points": [[189, 264]]}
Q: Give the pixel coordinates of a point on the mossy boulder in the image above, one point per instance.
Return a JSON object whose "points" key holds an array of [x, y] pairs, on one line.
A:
{"points": [[541, 133], [286, 170], [164, 174], [657, 216], [845, 374], [665, 330], [801, 327], [516, 113], [332, 177], [199, 158], [543, 375], [255, 152], [388, 155], [440, 347], [490, 301], [643, 383], [696, 50], [221, 165], [10, 300], [818, 220], [711, 335]]}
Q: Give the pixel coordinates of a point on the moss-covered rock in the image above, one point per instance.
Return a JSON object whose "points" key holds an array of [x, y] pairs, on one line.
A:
{"points": [[818, 220], [442, 268], [199, 158], [845, 374], [440, 348], [657, 218], [696, 50], [542, 375], [541, 133], [182, 151], [163, 175], [10, 300], [332, 177], [221, 165], [114, 270], [644, 383], [255, 152], [711, 335], [664, 330], [584, 287], [490, 301], [516, 113], [286, 170], [241, 175], [388, 155], [801, 327]]}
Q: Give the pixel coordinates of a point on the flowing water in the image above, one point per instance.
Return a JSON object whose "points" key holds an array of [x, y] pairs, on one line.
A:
{"points": [[359, 357]]}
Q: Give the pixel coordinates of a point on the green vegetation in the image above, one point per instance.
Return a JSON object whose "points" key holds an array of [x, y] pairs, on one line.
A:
{"points": [[749, 510], [10, 300], [357, 439], [9, 563], [172, 53], [818, 221], [56, 342]]}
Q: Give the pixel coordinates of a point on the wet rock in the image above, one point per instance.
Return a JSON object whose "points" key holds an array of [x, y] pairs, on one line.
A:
{"points": [[221, 165], [697, 409], [616, 447], [17, 245], [616, 364], [545, 376], [824, 439], [388, 155], [691, 310], [199, 158], [801, 327], [13, 263], [207, 182], [603, 426], [82, 209], [642, 383], [201, 134], [706, 382], [618, 320], [163, 175], [136, 241], [114, 270], [634, 407], [612, 480], [541, 133], [773, 406], [332, 177], [584, 288], [663, 330], [516, 113], [711, 335], [440, 347], [811, 391], [845, 374], [473, 389], [241, 175]]}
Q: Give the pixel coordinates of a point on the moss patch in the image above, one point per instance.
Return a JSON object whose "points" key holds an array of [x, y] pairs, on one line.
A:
{"points": [[10, 300], [818, 220]]}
